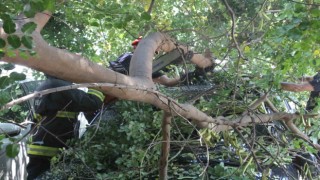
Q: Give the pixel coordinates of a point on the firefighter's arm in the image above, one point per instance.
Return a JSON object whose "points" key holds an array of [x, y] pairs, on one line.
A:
{"points": [[82, 101]]}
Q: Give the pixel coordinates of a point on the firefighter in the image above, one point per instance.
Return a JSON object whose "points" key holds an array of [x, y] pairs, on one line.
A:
{"points": [[122, 65], [56, 114]]}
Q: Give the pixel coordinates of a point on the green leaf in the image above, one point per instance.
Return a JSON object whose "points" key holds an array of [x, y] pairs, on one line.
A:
{"points": [[94, 23], [11, 53], [17, 76], [37, 5], [145, 16], [2, 136], [49, 5], [8, 66], [119, 25], [315, 12], [14, 41], [9, 26], [23, 54], [4, 81], [2, 43], [12, 150], [15, 108], [5, 17], [1, 53], [27, 41], [29, 13], [29, 27]]}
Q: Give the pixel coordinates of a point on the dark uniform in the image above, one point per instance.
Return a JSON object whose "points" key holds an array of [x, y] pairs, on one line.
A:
{"points": [[312, 102], [122, 65], [57, 113]]}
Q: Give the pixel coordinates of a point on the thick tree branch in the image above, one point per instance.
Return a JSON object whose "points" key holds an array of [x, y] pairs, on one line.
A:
{"points": [[41, 19]]}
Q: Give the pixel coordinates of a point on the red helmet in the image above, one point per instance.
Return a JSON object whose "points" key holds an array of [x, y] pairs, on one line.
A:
{"points": [[136, 41]]}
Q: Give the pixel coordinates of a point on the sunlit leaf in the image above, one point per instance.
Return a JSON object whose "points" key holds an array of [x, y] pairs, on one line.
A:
{"points": [[316, 53], [38, 5], [10, 53], [23, 54], [246, 49], [49, 5]]}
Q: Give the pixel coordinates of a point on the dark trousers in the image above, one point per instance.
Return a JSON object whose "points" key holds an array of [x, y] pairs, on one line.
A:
{"points": [[37, 166], [53, 132]]}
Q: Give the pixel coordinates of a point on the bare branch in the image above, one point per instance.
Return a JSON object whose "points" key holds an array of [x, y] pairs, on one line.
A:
{"points": [[256, 104], [270, 104], [296, 131], [150, 7], [165, 149], [64, 88], [233, 29]]}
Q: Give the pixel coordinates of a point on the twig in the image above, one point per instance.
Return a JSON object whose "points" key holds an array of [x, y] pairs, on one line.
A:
{"points": [[74, 86], [251, 148], [151, 6], [300, 134], [257, 103], [233, 29]]}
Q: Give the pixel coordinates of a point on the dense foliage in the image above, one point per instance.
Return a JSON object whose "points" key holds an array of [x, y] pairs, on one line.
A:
{"points": [[256, 43]]}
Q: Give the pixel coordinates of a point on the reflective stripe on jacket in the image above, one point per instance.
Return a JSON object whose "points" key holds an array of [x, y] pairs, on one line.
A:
{"points": [[60, 114], [39, 150], [97, 93]]}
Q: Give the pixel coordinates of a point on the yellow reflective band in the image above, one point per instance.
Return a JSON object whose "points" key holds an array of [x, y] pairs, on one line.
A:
{"points": [[42, 150], [96, 93], [66, 114]]}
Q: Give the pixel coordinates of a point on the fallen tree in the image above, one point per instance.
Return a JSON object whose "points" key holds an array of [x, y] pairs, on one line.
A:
{"points": [[138, 86]]}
